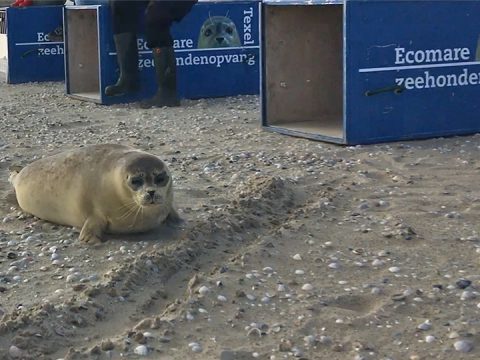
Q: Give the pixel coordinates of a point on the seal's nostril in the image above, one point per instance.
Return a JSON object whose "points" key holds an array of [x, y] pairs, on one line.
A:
{"points": [[151, 192]]}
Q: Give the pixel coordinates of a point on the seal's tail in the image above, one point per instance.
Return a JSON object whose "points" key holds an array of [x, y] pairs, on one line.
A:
{"points": [[13, 172]]}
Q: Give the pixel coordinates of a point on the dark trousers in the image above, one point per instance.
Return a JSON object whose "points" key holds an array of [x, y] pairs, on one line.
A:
{"points": [[159, 17]]}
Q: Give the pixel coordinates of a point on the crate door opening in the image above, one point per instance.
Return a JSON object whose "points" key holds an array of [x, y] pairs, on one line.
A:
{"points": [[82, 56], [303, 50]]}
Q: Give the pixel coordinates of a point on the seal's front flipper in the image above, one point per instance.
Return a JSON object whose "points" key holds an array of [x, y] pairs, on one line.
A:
{"points": [[91, 231], [13, 172], [173, 218]]}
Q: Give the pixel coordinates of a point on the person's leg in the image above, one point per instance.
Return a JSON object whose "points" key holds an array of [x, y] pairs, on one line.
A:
{"points": [[159, 18], [124, 23], [166, 77]]}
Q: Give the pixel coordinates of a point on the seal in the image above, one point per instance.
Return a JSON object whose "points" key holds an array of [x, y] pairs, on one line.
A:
{"points": [[218, 32], [99, 189]]}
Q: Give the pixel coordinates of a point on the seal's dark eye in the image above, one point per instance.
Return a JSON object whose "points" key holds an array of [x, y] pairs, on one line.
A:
{"points": [[136, 181], [229, 30], [161, 179], [208, 32]]}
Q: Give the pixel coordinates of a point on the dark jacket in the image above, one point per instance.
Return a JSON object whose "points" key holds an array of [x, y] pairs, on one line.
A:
{"points": [[174, 10]]}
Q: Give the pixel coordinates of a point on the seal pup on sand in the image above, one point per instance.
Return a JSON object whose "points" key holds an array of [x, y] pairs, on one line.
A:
{"points": [[99, 189]]}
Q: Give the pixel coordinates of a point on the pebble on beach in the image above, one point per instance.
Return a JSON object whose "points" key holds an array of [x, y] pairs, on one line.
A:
{"points": [[463, 346], [141, 350], [307, 287], [15, 352], [195, 347], [426, 325]]}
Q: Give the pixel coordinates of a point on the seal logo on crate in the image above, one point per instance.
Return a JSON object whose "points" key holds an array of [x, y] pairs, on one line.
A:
{"points": [[218, 32]]}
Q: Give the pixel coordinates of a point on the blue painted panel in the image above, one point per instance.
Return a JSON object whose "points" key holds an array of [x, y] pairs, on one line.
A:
{"points": [[203, 71], [31, 57], [429, 48], [304, 2]]}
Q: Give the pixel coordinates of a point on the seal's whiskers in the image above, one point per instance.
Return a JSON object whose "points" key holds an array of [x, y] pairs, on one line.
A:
{"points": [[139, 210], [130, 209]]}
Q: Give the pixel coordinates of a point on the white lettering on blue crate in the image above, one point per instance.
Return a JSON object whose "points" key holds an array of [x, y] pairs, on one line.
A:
{"points": [[415, 59], [177, 44], [216, 60], [42, 37], [247, 27], [427, 81], [51, 48], [430, 56], [56, 50], [197, 60]]}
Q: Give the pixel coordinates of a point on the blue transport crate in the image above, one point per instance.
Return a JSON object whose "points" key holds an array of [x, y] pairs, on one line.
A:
{"points": [[368, 71], [204, 69], [26, 54]]}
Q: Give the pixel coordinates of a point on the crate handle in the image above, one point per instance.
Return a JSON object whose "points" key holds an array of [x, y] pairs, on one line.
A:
{"points": [[396, 89], [28, 52]]}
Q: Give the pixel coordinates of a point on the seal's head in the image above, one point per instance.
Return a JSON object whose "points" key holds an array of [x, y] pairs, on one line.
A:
{"points": [[218, 32], [147, 179]]}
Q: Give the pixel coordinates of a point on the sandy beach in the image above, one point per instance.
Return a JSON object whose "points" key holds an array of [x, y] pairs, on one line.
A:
{"points": [[290, 249]]}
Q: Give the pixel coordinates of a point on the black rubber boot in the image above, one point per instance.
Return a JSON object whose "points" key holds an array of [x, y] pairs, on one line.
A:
{"points": [[127, 59], [166, 74]]}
